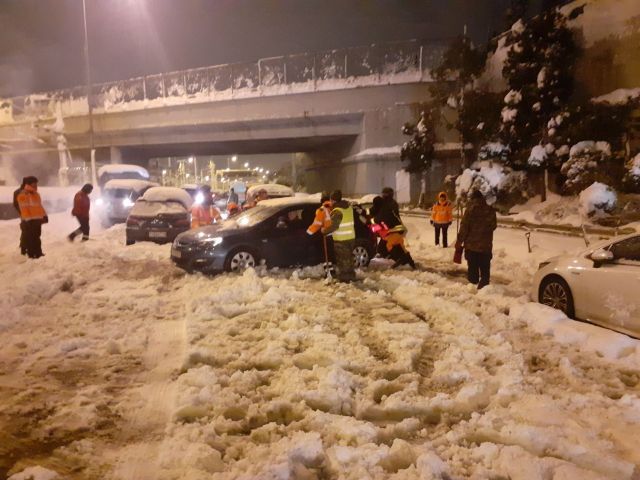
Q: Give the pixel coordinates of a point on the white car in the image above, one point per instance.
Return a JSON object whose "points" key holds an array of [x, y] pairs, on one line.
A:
{"points": [[600, 284]]}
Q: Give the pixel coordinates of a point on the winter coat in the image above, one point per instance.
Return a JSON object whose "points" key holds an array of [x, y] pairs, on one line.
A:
{"points": [[442, 210], [203, 215], [81, 205], [388, 213], [30, 204], [322, 219], [16, 205], [477, 226]]}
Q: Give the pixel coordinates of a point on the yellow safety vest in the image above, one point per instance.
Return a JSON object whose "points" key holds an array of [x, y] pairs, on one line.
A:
{"points": [[346, 230]]}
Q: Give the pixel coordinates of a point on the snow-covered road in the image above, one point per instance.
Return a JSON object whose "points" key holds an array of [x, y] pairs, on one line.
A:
{"points": [[117, 365]]}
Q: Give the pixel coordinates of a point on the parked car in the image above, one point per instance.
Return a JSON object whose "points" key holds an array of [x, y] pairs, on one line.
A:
{"points": [[121, 171], [117, 197], [274, 232], [600, 284], [159, 215]]}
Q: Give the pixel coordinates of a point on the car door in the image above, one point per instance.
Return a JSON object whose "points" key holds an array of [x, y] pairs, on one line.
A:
{"points": [[613, 288], [284, 239]]}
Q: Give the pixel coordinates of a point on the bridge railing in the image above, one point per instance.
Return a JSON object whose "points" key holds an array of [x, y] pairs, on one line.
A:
{"points": [[342, 68]]}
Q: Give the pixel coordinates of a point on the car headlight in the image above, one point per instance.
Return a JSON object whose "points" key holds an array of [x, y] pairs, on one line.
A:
{"points": [[199, 198], [100, 202], [127, 203], [543, 264], [212, 241]]}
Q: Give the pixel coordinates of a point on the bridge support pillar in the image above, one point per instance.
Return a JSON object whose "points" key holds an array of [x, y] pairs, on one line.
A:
{"points": [[115, 155]]}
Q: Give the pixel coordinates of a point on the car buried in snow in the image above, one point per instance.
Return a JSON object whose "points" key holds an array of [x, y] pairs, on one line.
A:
{"points": [[159, 215], [273, 232], [600, 284]]}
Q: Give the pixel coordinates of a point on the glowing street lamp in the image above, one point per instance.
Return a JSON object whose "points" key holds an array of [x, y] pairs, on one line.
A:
{"points": [[246, 164]]}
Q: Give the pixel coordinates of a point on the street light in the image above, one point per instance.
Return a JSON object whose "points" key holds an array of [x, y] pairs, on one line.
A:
{"points": [[87, 66], [246, 164]]}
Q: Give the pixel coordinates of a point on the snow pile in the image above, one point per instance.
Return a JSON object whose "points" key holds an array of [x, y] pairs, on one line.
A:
{"points": [[588, 338], [620, 96], [556, 210], [496, 182], [35, 473], [538, 156], [598, 200]]}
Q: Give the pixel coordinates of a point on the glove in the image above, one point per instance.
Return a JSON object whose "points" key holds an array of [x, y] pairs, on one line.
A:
{"points": [[431, 222], [45, 219]]}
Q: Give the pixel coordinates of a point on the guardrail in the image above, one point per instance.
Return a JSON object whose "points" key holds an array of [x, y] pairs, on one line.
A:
{"points": [[344, 68]]}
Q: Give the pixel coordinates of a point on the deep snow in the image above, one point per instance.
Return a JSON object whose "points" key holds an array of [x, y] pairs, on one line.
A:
{"points": [[117, 365]]}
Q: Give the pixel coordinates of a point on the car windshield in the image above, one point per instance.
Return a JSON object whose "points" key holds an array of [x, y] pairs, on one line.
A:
{"points": [[118, 192], [251, 217], [144, 208]]}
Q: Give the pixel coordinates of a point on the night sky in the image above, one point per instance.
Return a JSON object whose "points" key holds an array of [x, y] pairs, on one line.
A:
{"points": [[41, 41]]}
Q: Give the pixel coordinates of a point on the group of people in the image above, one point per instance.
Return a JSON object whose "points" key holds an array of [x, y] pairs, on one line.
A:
{"points": [[28, 204], [335, 220]]}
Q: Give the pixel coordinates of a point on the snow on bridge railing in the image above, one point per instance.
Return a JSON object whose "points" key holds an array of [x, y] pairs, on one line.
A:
{"points": [[391, 63]]}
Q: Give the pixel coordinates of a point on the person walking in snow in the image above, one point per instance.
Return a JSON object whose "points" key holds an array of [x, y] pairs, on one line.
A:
{"points": [[441, 218], [476, 237], [81, 206], [233, 197], [205, 213], [33, 214], [343, 231], [23, 242]]}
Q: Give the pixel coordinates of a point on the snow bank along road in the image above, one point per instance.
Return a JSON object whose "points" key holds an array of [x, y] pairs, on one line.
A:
{"points": [[116, 365]]}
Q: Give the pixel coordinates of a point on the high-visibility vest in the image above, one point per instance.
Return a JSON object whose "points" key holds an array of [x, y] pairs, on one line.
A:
{"points": [[30, 205], [321, 220], [346, 230], [202, 215]]}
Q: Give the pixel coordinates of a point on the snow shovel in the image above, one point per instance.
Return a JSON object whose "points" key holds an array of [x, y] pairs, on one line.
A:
{"points": [[328, 268]]}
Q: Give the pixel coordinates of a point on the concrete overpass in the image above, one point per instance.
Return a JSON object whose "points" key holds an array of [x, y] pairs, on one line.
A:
{"points": [[341, 111]]}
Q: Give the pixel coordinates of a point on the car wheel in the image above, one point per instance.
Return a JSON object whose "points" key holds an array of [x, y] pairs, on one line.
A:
{"points": [[555, 292], [361, 256], [240, 260]]}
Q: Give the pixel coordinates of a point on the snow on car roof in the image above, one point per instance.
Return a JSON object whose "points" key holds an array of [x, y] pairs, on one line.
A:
{"points": [[123, 168], [168, 194], [284, 201], [129, 183], [272, 189]]}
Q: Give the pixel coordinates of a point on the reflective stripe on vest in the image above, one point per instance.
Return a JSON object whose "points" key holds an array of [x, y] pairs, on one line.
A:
{"points": [[346, 230]]}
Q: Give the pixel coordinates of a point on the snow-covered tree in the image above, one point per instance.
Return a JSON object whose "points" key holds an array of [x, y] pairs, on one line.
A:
{"points": [[631, 178], [419, 152], [597, 200], [461, 64], [587, 164], [539, 72]]}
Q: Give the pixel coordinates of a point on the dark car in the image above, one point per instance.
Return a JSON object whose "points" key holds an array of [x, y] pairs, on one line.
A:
{"points": [[274, 231], [159, 215]]}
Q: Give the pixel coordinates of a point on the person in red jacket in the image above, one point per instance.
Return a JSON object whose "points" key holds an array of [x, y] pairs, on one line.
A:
{"points": [[81, 206]]}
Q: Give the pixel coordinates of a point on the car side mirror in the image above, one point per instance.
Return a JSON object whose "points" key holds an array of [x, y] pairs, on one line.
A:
{"points": [[601, 256]]}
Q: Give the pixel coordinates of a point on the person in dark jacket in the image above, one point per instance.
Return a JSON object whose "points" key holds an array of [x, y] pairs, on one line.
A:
{"points": [[16, 205], [476, 237], [81, 206], [388, 211]]}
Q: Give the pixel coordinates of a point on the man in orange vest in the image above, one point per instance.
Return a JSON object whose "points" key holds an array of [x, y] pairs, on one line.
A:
{"points": [[81, 207], [441, 218], [33, 215], [204, 213], [323, 215]]}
